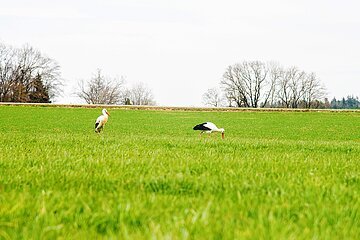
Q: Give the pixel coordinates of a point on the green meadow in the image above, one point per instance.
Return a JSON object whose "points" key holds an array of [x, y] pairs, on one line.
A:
{"points": [[276, 175]]}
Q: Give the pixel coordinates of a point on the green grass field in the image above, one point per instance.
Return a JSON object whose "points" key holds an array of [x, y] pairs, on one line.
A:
{"points": [[277, 175]]}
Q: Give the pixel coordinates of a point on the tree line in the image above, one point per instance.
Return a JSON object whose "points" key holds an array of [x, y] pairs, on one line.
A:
{"points": [[258, 84], [350, 102], [106, 90], [27, 75]]}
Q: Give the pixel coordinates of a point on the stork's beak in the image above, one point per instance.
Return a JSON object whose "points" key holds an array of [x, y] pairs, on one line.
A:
{"points": [[223, 135], [107, 113]]}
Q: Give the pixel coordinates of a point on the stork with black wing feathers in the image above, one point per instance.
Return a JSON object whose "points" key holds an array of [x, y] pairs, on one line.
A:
{"points": [[209, 127]]}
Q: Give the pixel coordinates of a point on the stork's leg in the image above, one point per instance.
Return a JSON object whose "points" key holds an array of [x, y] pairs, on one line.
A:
{"points": [[99, 129]]}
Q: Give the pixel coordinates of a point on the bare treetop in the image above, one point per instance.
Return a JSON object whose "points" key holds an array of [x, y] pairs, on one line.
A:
{"points": [[140, 94], [23, 68], [256, 84], [244, 82], [213, 97], [101, 90]]}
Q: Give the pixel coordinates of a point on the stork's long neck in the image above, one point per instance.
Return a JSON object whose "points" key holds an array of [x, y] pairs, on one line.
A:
{"points": [[106, 117], [218, 130]]}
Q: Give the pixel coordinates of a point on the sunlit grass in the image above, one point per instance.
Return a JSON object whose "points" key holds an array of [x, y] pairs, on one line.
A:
{"points": [[278, 175]]}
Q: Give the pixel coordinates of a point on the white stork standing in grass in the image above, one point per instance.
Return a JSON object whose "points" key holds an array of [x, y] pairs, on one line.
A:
{"points": [[209, 127], [101, 121]]}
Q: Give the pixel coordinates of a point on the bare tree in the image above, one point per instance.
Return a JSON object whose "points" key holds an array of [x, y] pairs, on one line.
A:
{"points": [[298, 89], [283, 89], [139, 94], [6, 68], [213, 97], [270, 90], [313, 90], [101, 90], [22, 69], [245, 84], [234, 86], [297, 86], [291, 87], [255, 84]]}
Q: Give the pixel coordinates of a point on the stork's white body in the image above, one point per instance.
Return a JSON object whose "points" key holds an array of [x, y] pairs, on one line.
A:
{"points": [[101, 121], [209, 127]]}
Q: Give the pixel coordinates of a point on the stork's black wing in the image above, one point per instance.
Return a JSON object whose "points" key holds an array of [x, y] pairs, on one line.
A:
{"points": [[201, 127]]}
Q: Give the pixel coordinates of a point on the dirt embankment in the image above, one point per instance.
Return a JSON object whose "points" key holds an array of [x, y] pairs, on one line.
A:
{"points": [[166, 108]]}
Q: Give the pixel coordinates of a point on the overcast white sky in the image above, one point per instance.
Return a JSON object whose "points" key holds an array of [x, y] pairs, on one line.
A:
{"points": [[180, 48]]}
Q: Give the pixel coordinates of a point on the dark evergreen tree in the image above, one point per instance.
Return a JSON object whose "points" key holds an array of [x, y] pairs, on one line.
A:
{"points": [[38, 92], [350, 102]]}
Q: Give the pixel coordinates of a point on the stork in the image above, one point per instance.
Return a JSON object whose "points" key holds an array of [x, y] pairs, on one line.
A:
{"points": [[209, 127], [101, 121]]}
